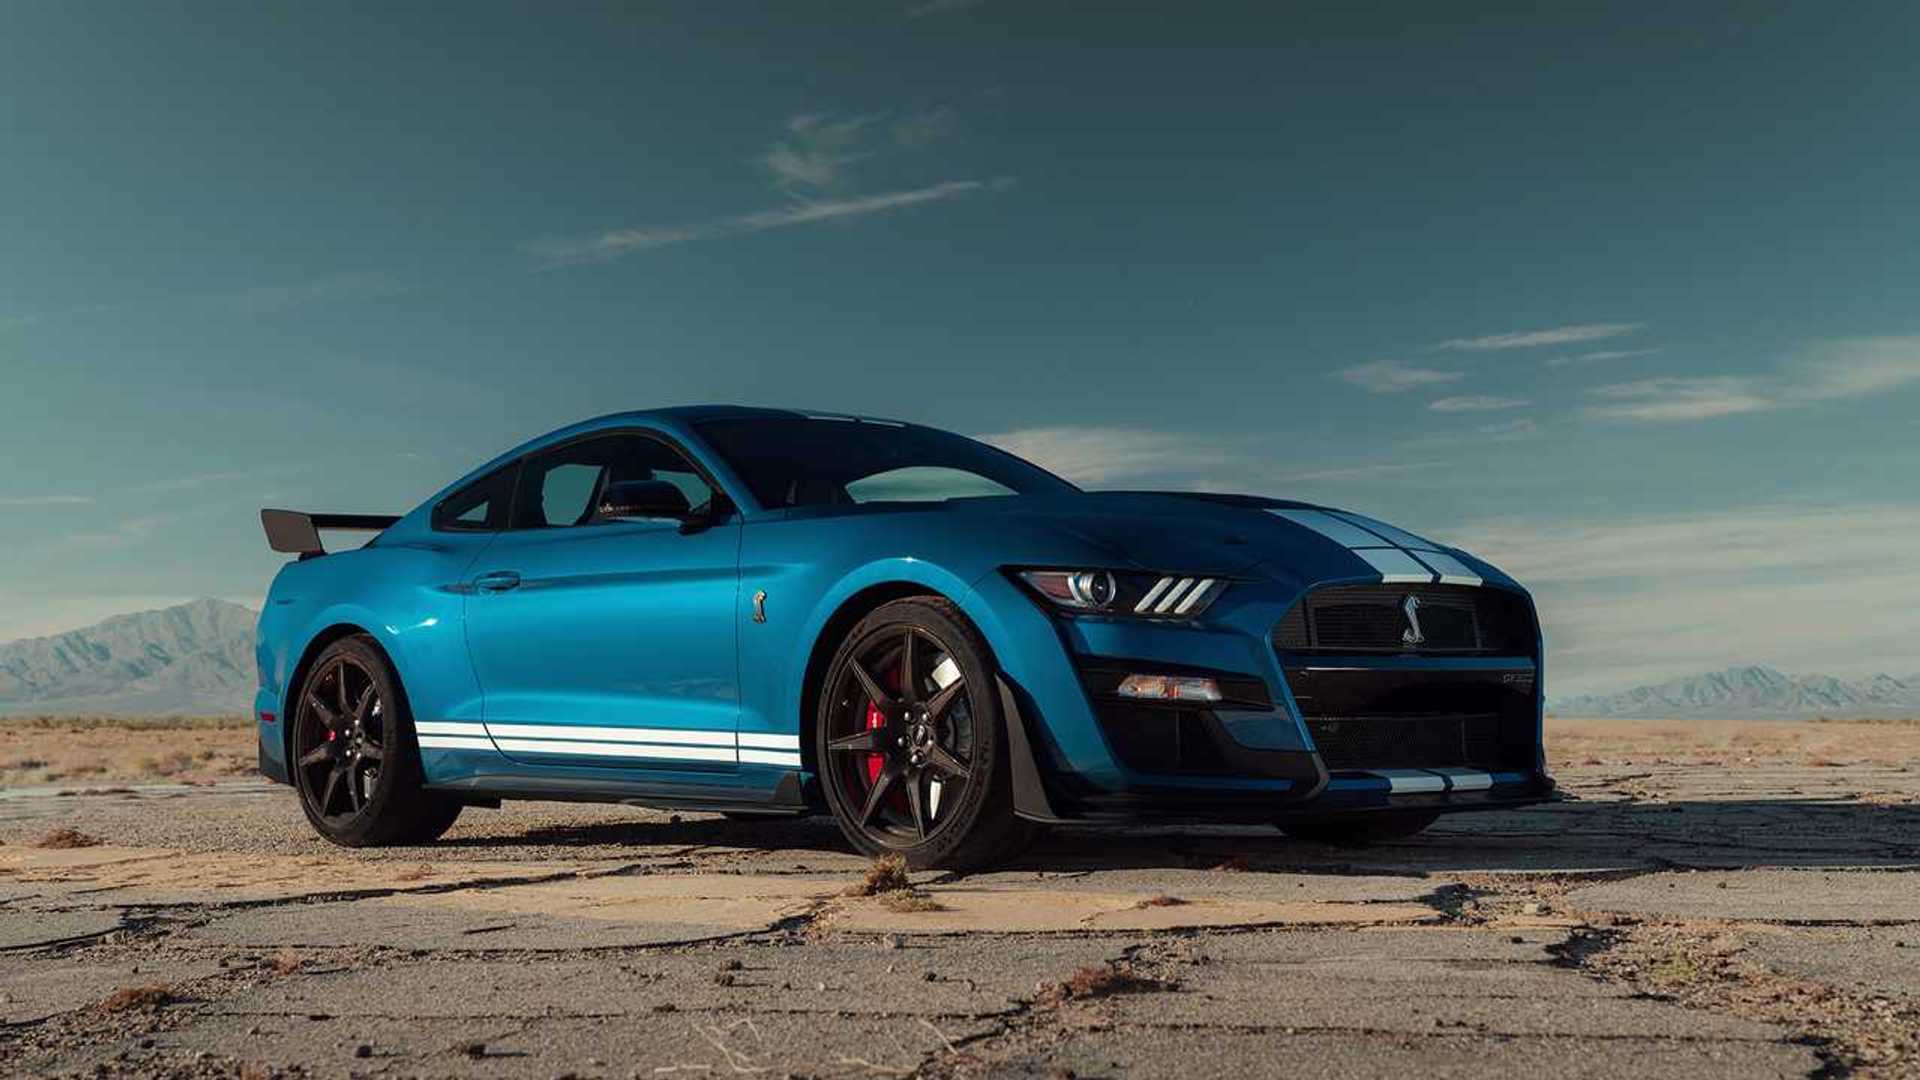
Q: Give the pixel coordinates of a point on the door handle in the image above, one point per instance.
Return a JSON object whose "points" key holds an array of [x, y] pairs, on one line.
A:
{"points": [[497, 581]]}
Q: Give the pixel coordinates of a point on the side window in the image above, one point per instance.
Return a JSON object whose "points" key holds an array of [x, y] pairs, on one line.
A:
{"points": [[480, 506], [564, 488]]}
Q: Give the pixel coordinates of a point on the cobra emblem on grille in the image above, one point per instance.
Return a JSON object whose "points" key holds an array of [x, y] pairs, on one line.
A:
{"points": [[1413, 634]]}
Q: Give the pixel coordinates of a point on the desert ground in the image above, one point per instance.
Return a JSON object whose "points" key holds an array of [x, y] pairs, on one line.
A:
{"points": [[1709, 899]]}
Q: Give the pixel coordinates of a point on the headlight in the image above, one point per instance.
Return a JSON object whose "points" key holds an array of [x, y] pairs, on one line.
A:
{"points": [[1109, 592]]}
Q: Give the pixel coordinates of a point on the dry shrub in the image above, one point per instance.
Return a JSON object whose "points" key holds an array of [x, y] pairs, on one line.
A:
{"points": [[887, 874], [909, 901], [127, 998], [286, 962], [418, 873], [66, 838], [1101, 980]]}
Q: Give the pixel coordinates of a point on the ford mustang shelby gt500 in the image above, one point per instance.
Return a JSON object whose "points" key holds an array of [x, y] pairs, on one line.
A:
{"points": [[761, 611]]}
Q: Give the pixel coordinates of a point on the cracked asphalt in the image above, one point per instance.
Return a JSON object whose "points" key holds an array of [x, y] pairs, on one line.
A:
{"points": [[1750, 914]]}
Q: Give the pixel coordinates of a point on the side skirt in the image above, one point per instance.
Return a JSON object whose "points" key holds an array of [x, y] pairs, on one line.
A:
{"points": [[783, 797]]}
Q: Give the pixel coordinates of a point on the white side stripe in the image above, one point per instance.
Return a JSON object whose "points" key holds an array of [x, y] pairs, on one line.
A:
{"points": [[1405, 781], [609, 734], [454, 742], [770, 742], [447, 727], [609, 749], [770, 757]]}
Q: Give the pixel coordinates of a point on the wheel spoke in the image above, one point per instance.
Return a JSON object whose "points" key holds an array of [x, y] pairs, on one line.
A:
{"points": [[872, 687], [877, 793], [909, 683], [946, 764], [870, 741], [354, 794], [327, 716], [372, 751], [333, 785], [938, 704], [916, 801], [340, 687], [367, 700], [323, 752]]}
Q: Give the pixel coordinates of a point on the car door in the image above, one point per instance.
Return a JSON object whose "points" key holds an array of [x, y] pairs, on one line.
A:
{"points": [[602, 639]]}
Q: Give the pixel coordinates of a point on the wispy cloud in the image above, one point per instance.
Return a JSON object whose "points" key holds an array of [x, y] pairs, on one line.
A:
{"points": [[1394, 377], [917, 131], [817, 150], [1680, 398], [196, 481], [23, 501], [1529, 339], [1510, 430], [1361, 472], [619, 242], [1628, 599], [1599, 355], [130, 531], [1828, 371], [1105, 456], [939, 7], [1476, 403]]}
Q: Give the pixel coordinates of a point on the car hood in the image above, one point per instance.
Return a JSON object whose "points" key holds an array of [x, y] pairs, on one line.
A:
{"points": [[1231, 535]]}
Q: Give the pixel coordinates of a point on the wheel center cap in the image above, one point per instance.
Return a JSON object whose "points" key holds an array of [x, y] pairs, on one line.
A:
{"points": [[919, 740]]}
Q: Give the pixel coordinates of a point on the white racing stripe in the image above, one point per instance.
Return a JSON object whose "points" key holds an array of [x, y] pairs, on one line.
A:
{"points": [[1395, 565], [1466, 779], [1408, 781], [1339, 530], [1451, 570]]}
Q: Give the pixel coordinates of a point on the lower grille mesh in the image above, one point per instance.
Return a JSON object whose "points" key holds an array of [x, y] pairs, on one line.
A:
{"points": [[1438, 740]]}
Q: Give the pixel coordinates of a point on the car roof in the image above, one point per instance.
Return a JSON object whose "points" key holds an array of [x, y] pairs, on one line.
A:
{"points": [[693, 414]]}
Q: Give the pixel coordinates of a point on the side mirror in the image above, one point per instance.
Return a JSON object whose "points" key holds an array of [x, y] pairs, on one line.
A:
{"points": [[642, 500]]}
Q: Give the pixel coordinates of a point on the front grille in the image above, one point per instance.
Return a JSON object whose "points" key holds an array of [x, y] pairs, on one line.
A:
{"points": [[1408, 742], [1452, 619]]}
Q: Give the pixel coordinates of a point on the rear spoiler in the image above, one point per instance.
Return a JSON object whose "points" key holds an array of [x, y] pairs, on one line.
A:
{"points": [[299, 534]]}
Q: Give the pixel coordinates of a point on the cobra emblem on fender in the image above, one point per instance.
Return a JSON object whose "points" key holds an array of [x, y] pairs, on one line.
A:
{"points": [[1413, 635]]}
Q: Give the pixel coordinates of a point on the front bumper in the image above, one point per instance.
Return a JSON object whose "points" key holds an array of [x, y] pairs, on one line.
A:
{"points": [[1246, 761]]}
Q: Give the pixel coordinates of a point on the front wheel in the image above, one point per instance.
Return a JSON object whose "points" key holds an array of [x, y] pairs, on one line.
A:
{"points": [[355, 762], [909, 740], [1359, 830]]}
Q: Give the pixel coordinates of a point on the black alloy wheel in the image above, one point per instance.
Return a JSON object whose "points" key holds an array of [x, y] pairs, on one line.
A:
{"points": [[911, 752], [355, 762]]}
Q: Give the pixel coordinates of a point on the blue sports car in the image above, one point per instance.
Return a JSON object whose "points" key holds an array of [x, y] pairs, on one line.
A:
{"points": [[761, 611]]}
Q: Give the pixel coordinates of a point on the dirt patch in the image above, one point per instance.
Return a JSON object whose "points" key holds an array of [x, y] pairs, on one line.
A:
{"points": [[110, 749], [65, 838], [1856, 1034], [131, 998], [1101, 980]]}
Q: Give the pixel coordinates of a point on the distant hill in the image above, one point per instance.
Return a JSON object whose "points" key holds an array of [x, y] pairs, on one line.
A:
{"points": [[194, 658], [1754, 692]]}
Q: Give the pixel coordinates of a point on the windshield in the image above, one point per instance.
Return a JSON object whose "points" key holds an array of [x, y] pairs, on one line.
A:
{"points": [[808, 462]]}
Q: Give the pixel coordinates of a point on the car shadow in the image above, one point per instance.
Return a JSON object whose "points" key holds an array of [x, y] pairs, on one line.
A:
{"points": [[1565, 837]]}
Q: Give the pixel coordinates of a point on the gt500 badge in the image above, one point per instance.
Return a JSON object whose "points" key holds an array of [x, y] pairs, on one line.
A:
{"points": [[1519, 680]]}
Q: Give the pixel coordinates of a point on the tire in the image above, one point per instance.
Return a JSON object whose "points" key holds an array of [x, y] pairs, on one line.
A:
{"points": [[1359, 830], [354, 760], [897, 731]]}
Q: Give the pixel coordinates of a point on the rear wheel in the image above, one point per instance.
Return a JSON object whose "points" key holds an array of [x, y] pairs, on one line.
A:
{"points": [[910, 743], [355, 762], [1359, 830]]}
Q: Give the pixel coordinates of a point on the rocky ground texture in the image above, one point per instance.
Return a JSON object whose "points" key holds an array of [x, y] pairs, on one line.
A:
{"points": [[1708, 902]]}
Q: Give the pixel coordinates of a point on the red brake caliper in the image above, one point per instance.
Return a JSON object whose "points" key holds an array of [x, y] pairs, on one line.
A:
{"points": [[874, 761]]}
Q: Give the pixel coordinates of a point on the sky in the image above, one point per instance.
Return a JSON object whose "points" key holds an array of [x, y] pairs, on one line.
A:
{"points": [[1626, 301]]}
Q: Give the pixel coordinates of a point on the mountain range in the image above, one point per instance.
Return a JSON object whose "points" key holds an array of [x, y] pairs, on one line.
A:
{"points": [[196, 658], [1753, 692]]}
